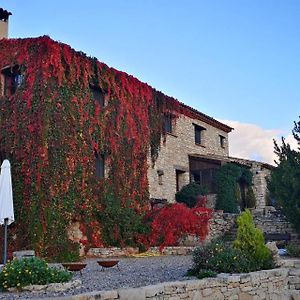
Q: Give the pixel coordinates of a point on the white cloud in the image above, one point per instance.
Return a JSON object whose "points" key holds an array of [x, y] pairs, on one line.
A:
{"points": [[253, 142]]}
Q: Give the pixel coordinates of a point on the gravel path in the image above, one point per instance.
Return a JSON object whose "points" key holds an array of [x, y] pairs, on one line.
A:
{"points": [[134, 272]]}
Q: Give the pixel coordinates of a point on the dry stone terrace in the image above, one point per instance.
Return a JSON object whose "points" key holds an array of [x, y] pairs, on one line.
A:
{"points": [[159, 278]]}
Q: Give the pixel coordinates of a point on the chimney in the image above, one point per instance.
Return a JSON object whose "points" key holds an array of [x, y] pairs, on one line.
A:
{"points": [[4, 15]]}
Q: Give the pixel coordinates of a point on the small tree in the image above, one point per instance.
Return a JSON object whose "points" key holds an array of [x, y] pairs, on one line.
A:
{"points": [[189, 194], [284, 184], [250, 240], [227, 178]]}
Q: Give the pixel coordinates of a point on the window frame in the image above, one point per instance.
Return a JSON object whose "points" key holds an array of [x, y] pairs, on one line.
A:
{"points": [[98, 95], [222, 140], [99, 165], [11, 80], [198, 134]]}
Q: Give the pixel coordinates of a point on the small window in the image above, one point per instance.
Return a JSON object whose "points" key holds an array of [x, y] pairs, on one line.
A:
{"points": [[98, 95], [100, 165], [11, 80], [169, 123], [199, 134], [160, 174], [222, 141]]}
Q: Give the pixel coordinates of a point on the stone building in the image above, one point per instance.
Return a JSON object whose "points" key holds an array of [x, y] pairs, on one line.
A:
{"points": [[186, 155], [76, 130], [193, 150]]}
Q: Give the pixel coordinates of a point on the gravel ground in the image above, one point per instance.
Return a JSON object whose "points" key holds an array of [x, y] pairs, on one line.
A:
{"points": [[134, 272]]}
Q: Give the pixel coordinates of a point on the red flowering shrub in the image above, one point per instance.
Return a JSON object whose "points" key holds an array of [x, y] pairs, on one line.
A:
{"points": [[172, 222]]}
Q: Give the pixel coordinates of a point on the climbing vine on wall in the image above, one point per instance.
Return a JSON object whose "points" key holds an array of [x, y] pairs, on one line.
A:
{"points": [[51, 128]]}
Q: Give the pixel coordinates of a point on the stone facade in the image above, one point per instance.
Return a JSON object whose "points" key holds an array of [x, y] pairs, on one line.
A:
{"points": [[277, 284], [174, 155], [172, 167]]}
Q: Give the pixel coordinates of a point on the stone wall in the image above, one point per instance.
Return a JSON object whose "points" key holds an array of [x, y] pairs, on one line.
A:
{"points": [[111, 252], [276, 284], [221, 223], [272, 222], [121, 252], [174, 155]]}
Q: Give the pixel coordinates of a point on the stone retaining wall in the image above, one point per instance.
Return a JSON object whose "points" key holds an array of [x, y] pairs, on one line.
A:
{"points": [[111, 252], [120, 252], [276, 284]]}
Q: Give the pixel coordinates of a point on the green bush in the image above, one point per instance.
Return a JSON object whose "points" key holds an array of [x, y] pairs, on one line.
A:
{"points": [[121, 223], [189, 194], [220, 257], [27, 271], [293, 249], [203, 273], [251, 242], [227, 178]]}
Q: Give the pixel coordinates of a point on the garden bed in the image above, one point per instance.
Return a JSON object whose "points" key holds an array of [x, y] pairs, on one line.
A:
{"points": [[134, 272], [165, 276]]}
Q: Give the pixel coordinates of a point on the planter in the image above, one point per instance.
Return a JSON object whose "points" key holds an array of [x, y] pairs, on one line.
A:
{"points": [[74, 267], [108, 263]]}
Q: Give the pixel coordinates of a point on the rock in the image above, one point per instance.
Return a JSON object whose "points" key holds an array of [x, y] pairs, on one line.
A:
{"points": [[23, 254], [274, 251], [53, 287]]}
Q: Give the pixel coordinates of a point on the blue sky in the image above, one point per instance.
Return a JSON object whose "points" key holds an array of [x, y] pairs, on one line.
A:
{"points": [[233, 60]]}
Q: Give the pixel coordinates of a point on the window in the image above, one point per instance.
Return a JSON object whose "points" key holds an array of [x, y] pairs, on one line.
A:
{"points": [[222, 141], [199, 134], [168, 123], [11, 80], [100, 165], [160, 174], [98, 95]]}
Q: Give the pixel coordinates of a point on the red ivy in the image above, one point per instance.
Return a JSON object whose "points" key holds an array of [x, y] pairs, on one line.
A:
{"points": [[51, 129], [172, 222]]}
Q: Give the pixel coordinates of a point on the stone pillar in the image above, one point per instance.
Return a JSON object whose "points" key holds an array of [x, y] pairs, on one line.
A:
{"points": [[260, 188], [3, 29], [4, 15]]}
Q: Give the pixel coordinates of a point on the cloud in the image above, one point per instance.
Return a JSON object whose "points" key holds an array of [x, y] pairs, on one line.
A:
{"points": [[253, 142]]}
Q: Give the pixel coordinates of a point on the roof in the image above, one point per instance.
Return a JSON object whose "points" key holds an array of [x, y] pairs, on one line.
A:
{"points": [[228, 159], [181, 107]]}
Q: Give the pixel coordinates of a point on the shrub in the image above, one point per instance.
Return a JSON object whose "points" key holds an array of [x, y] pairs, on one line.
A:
{"points": [[27, 271], [121, 224], [227, 177], [203, 273], [250, 241], [293, 249], [220, 257], [232, 181], [189, 194], [170, 223]]}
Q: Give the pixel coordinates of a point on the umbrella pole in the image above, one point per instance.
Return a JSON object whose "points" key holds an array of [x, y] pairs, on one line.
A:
{"points": [[5, 242]]}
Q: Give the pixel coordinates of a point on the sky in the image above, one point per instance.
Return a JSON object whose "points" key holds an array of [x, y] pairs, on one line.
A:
{"points": [[236, 60]]}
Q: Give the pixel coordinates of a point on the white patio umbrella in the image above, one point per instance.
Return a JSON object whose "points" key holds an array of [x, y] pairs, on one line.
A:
{"points": [[6, 202]]}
